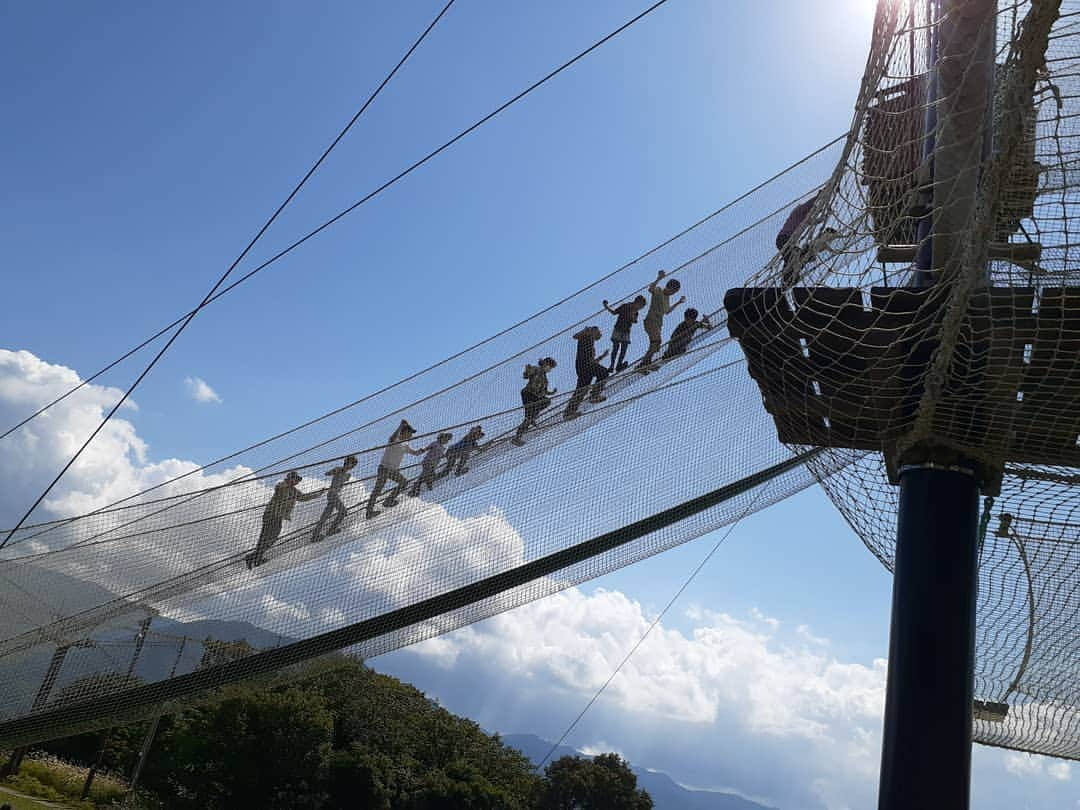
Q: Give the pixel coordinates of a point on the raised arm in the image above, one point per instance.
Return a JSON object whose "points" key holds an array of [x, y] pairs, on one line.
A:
{"points": [[673, 307], [309, 496], [608, 308]]}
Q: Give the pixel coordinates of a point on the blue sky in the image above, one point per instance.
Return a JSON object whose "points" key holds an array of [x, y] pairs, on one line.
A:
{"points": [[147, 142]]}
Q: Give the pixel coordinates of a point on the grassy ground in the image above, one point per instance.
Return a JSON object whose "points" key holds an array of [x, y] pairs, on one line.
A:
{"points": [[60, 783], [20, 802]]}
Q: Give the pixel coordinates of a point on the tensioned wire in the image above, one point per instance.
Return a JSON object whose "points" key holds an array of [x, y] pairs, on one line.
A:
{"points": [[215, 294], [475, 346], [183, 324]]}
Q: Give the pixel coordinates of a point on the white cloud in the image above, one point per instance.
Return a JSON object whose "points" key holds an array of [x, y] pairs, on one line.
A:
{"points": [[724, 676], [1062, 771], [1032, 766], [200, 390], [114, 466]]}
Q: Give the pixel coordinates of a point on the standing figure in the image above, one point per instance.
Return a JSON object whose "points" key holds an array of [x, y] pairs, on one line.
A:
{"points": [[390, 467], [457, 455], [589, 369], [625, 315], [277, 511], [680, 339], [433, 454], [654, 318], [339, 476], [535, 396], [793, 254]]}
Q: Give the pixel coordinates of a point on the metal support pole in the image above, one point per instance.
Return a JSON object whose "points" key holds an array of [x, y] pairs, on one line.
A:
{"points": [[140, 640], [14, 762], [926, 745], [151, 732], [926, 750]]}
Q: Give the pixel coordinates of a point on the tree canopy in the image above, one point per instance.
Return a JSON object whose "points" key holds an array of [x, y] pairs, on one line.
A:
{"points": [[333, 734]]}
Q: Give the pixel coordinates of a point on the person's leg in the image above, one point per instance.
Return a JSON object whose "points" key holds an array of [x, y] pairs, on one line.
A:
{"points": [[376, 491], [579, 394], [624, 347], [271, 528], [447, 463], [652, 329], [528, 402], [597, 393], [338, 507], [462, 463], [325, 516], [614, 355], [398, 478]]}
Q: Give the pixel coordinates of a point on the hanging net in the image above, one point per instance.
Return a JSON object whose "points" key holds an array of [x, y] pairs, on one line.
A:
{"points": [[826, 361]]}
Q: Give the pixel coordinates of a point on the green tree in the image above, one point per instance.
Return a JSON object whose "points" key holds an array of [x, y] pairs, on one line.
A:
{"points": [[245, 748], [604, 782]]}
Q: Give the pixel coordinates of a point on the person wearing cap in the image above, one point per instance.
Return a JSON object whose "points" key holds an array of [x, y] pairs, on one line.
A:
{"points": [[590, 371], [277, 511], [433, 454], [339, 476], [535, 396], [457, 454], [390, 467]]}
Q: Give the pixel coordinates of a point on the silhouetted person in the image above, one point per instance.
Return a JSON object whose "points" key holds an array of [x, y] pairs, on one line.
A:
{"points": [[590, 371], [433, 454], [390, 467], [625, 316], [457, 454], [659, 306], [680, 339], [535, 396], [277, 511], [339, 476], [793, 254]]}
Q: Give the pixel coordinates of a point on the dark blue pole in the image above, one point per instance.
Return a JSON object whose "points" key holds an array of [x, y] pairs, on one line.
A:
{"points": [[926, 745], [926, 750]]}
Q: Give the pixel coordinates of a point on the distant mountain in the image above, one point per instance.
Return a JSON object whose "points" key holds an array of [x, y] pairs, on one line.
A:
{"points": [[666, 793]]}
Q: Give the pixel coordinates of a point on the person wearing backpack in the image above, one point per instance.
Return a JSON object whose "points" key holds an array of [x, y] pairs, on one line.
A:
{"points": [[535, 396]]}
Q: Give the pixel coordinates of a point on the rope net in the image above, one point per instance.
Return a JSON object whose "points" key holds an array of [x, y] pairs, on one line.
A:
{"points": [[930, 308], [860, 361]]}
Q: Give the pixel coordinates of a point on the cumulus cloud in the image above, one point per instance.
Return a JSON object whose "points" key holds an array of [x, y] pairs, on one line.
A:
{"points": [[816, 719], [200, 391], [1031, 766], [417, 550], [115, 465]]}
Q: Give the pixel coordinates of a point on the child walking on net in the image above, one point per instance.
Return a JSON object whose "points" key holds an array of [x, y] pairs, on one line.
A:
{"points": [[277, 511], [684, 333], [390, 467], [535, 396], [625, 316], [339, 476], [457, 455], [654, 319], [433, 454], [590, 372]]}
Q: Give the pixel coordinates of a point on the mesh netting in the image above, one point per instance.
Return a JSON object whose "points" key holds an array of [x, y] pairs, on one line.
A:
{"points": [[164, 569], [858, 359], [971, 357]]}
